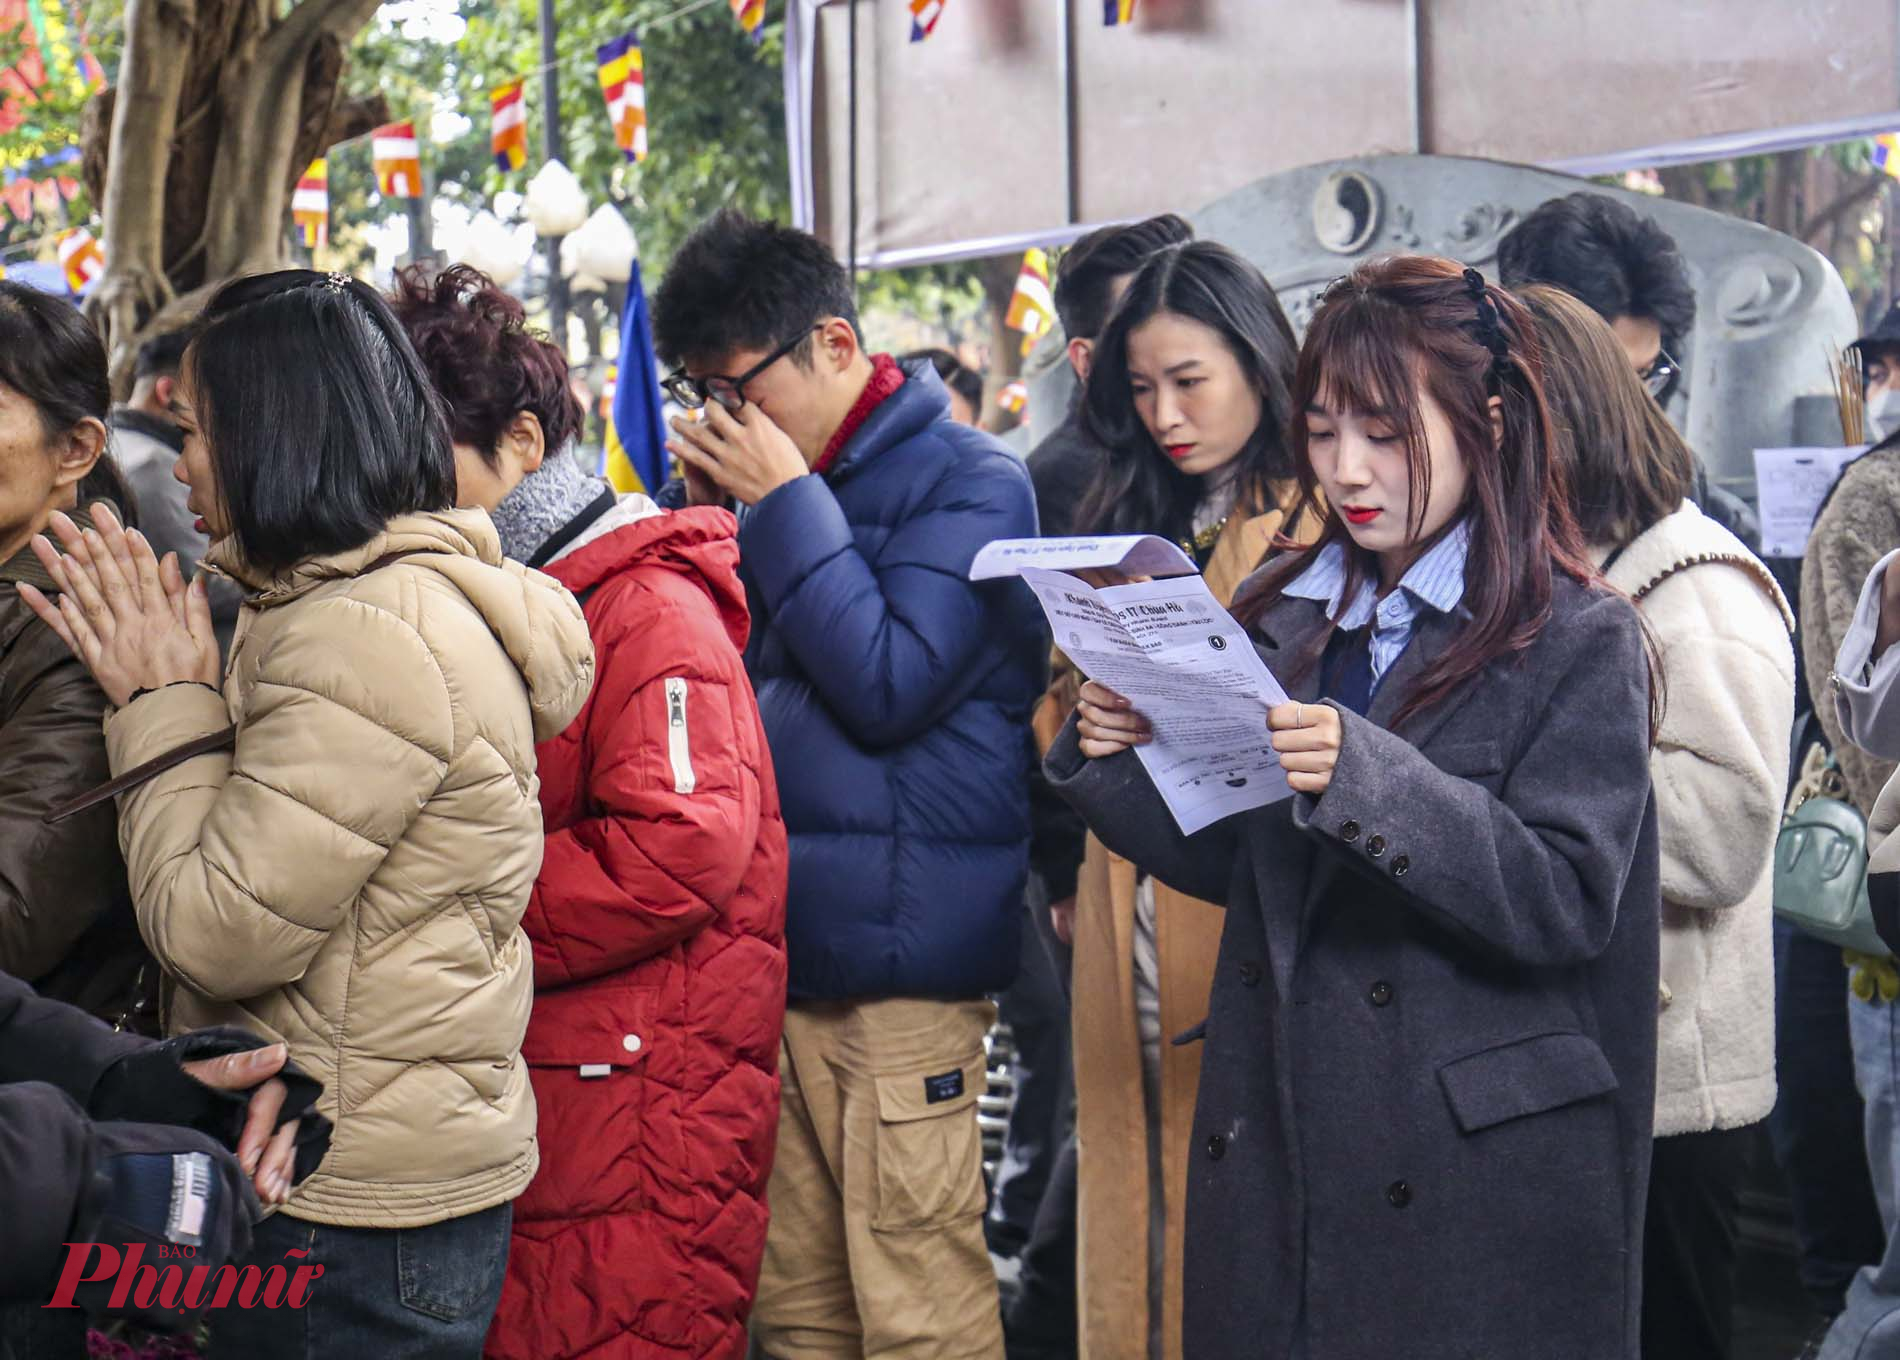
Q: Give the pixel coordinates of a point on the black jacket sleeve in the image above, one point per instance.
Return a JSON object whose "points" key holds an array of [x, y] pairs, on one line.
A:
{"points": [[51, 1058], [46, 1164]]}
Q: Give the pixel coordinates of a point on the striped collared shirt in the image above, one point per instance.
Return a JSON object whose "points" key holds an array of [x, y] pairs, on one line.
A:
{"points": [[1436, 581]]}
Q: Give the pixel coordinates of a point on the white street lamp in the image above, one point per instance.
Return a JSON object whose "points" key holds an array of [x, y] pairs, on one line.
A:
{"points": [[556, 204]]}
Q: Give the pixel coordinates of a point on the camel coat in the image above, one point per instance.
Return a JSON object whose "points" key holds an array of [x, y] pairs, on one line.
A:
{"points": [[1111, 1121]]}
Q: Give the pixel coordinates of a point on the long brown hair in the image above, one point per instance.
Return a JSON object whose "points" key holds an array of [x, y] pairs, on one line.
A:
{"points": [[1386, 336], [1628, 467]]}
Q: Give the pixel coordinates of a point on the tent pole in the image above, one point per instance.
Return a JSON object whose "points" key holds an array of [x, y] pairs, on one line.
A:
{"points": [[1415, 55], [851, 140], [1065, 57]]}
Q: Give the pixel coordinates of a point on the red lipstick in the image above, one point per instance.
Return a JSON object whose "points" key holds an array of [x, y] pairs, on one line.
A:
{"points": [[1359, 514], [1179, 451]]}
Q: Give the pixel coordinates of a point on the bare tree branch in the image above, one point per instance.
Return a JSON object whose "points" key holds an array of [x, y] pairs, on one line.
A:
{"points": [[1843, 203]]}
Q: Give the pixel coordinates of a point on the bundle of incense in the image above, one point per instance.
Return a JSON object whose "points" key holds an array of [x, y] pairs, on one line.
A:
{"points": [[1849, 394]]}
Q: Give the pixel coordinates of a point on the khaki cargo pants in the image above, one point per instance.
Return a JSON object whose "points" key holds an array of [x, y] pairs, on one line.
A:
{"points": [[876, 1241]]}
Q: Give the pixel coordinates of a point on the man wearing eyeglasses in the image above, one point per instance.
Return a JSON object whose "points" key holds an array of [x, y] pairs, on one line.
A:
{"points": [[1628, 269], [896, 697]]}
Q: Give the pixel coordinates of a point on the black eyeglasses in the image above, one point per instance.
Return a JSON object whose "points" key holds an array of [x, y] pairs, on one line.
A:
{"points": [[1661, 374], [693, 393]]}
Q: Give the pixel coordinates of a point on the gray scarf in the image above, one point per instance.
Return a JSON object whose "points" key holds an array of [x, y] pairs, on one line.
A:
{"points": [[543, 504]]}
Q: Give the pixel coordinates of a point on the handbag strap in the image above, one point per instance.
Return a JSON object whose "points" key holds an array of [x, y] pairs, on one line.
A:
{"points": [[139, 774]]}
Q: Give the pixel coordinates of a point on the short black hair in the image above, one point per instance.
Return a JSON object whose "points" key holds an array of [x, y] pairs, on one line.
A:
{"points": [[965, 382], [737, 284], [321, 421], [1605, 253], [52, 356], [1090, 267], [161, 356]]}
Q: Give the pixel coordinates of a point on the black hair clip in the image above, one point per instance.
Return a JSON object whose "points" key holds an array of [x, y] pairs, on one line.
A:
{"points": [[1490, 328]]}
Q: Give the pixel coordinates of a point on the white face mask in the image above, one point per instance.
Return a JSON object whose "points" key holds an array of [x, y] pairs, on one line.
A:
{"points": [[1883, 414]]}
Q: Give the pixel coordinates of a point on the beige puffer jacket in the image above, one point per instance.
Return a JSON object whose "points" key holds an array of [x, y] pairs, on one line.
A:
{"points": [[351, 878]]}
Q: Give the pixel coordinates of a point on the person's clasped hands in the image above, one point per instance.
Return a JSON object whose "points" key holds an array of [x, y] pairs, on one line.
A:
{"points": [[128, 615], [1306, 737], [740, 453]]}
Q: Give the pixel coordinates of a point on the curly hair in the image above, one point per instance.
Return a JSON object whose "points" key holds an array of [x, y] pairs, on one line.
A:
{"points": [[484, 361]]}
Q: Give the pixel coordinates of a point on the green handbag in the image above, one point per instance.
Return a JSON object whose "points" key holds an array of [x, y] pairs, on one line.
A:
{"points": [[1821, 862]]}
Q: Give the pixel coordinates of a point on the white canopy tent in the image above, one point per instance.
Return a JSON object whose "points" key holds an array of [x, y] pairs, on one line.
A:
{"points": [[1024, 122]]}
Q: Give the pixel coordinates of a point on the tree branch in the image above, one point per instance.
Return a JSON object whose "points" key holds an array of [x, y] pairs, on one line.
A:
{"points": [[1844, 202], [351, 118]]}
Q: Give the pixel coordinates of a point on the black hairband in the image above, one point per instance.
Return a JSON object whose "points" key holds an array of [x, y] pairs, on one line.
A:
{"points": [[1490, 329]]}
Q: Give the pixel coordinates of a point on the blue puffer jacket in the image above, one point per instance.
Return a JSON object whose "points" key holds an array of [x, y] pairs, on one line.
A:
{"points": [[896, 698]]}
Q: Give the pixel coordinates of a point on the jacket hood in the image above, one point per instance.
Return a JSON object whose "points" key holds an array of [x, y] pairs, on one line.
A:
{"points": [[537, 623], [700, 543]]}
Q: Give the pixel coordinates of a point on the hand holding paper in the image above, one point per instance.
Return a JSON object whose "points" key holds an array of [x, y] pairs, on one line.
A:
{"points": [[1175, 658]]}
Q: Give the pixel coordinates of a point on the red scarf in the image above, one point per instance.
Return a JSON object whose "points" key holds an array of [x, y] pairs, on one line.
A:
{"points": [[886, 378]]}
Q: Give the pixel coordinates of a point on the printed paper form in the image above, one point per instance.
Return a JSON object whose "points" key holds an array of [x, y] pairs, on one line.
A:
{"points": [[1790, 485], [1130, 554], [1178, 656]]}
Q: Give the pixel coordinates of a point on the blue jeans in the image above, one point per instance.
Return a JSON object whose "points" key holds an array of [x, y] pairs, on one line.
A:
{"points": [[387, 1293], [1816, 1125], [1869, 1327]]}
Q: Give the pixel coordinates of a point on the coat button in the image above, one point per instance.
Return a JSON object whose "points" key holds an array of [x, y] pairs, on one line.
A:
{"points": [[1250, 975], [1349, 832], [631, 1043], [1381, 994], [1401, 866], [1216, 1147], [1375, 846], [1398, 1194]]}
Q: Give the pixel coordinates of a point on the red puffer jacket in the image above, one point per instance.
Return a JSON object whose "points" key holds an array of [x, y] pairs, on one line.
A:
{"points": [[659, 960]]}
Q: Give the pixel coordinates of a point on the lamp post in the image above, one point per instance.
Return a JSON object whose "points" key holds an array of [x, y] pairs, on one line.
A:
{"points": [[555, 205], [551, 151]]}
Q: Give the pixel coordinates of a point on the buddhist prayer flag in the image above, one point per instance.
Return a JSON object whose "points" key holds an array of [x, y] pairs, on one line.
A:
{"points": [[1887, 153], [751, 16], [1031, 307], [1118, 12], [510, 137], [310, 204], [1014, 397], [81, 257], [923, 17], [623, 81], [397, 161]]}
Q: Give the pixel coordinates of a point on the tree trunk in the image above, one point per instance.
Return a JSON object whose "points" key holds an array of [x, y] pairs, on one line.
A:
{"points": [[998, 277], [220, 106]]}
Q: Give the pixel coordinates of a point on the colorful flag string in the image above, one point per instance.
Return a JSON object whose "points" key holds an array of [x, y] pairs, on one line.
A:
{"points": [[397, 160], [623, 82], [310, 204], [923, 18], [1032, 308], [751, 16], [509, 137]]}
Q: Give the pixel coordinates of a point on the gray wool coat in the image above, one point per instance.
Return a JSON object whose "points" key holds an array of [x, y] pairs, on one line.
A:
{"points": [[1423, 1127]]}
